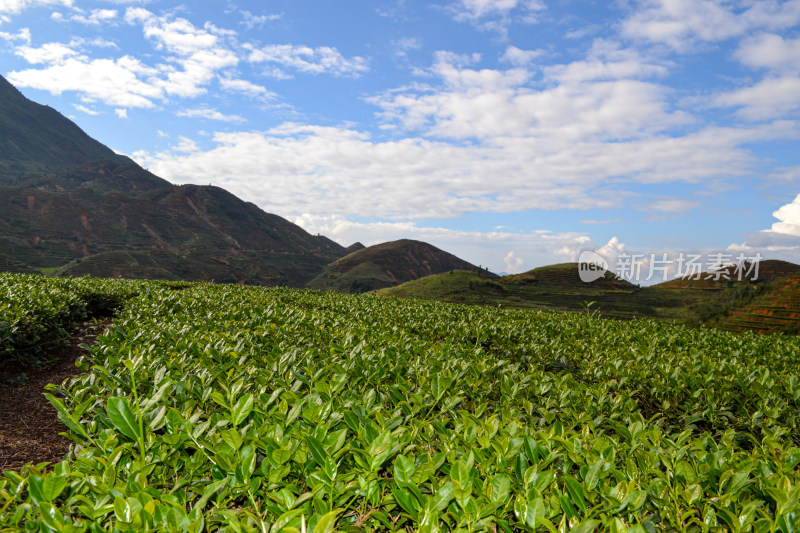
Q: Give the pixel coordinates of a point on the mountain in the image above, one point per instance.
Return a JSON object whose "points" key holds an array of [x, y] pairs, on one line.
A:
{"points": [[72, 206], [38, 139], [387, 265]]}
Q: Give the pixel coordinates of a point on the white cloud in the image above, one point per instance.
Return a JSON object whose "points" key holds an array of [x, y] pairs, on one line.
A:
{"points": [[782, 240], [490, 103], [320, 60], [681, 24], [193, 57], [251, 21], [671, 205], [115, 82], [244, 86], [770, 51], [768, 99], [47, 53], [404, 45], [23, 35], [199, 52], [121, 112], [345, 172], [513, 263], [84, 109], [495, 15], [520, 58], [96, 17], [606, 60], [210, 114], [14, 7]]}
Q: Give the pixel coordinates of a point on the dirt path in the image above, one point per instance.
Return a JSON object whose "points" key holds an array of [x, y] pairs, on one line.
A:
{"points": [[29, 425]]}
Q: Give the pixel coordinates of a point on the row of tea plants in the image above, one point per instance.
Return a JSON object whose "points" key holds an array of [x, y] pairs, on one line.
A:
{"points": [[252, 409]]}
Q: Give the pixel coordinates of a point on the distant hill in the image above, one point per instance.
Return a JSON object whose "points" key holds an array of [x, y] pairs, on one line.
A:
{"points": [[38, 139], [769, 303], [717, 280], [556, 287], [387, 265]]}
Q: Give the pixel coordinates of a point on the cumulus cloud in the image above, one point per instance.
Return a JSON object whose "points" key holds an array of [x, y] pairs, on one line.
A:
{"points": [[84, 109], [682, 24], [192, 59], [486, 103], [319, 60], [200, 52], [513, 262], [770, 51], [116, 82], [47, 53], [782, 240], [607, 60], [344, 171]]}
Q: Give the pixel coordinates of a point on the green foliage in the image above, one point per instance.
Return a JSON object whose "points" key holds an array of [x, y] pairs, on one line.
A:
{"points": [[248, 409]]}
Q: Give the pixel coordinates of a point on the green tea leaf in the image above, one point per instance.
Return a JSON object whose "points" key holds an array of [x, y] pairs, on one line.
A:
{"points": [[120, 413]]}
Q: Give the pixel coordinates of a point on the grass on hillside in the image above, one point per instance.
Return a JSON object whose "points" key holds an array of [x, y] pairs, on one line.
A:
{"points": [[557, 287]]}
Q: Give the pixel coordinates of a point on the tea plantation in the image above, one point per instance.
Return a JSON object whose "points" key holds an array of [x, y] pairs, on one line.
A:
{"points": [[249, 409]]}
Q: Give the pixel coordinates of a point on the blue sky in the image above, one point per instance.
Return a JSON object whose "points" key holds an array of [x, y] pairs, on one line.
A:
{"points": [[513, 133]]}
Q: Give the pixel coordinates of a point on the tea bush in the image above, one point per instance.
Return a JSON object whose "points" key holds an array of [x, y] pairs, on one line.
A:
{"points": [[251, 409]]}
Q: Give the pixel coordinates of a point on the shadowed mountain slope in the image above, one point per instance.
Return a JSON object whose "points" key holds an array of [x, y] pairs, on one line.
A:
{"points": [[38, 139], [386, 265]]}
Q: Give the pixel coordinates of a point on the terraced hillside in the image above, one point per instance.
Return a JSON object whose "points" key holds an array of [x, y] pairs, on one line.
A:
{"points": [[776, 310]]}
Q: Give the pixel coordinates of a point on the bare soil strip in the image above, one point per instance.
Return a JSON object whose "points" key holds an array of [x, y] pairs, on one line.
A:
{"points": [[29, 425]]}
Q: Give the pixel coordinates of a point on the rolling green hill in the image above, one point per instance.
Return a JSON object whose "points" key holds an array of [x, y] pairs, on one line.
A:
{"points": [[386, 265], [558, 287]]}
